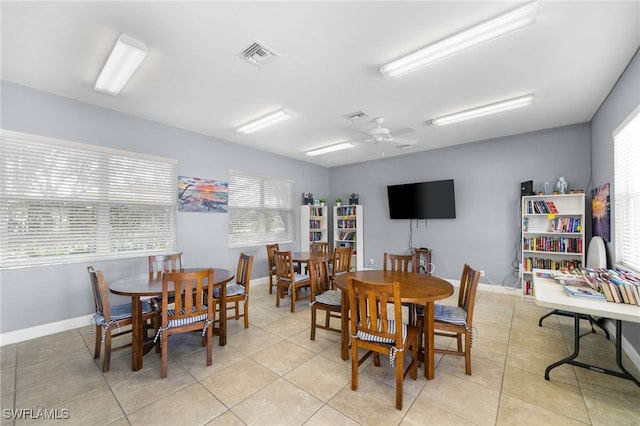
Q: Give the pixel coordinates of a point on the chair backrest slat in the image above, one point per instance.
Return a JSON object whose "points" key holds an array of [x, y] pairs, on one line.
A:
{"points": [[284, 265], [398, 262], [243, 274], [318, 276], [100, 293], [372, 300], [188, 292], [165, 262]]}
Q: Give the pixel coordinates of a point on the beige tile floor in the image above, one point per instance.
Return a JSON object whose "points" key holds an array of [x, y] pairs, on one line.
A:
{"points": [[273, 374]]}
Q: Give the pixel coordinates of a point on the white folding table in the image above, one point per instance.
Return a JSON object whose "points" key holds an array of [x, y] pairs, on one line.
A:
{"points": [[550, 294]]}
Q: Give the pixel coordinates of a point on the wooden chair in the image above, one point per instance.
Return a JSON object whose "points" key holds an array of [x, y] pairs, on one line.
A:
{"points": [[341, 263], [288, 279], [165, 262], [398, 262], [405, 263], [107, 317], [271, 263], [323, 297], [456, 321], [318, 247], [379, 331], [194, 309], [239, 292]]}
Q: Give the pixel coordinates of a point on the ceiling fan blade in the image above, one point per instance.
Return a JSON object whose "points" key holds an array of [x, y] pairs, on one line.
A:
{"points": [[400, 142], [404, 131]]}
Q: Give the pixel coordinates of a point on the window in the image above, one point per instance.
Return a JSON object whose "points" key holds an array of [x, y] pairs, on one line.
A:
{"points": [[260, 210], [63, 202], [626, 150]]}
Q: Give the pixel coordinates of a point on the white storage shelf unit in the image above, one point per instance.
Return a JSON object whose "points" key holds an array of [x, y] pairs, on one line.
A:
{"points": [[348, 231], [552, 235], [314, 225]]}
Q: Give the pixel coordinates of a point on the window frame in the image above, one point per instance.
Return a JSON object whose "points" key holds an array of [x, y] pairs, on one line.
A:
{"points": [[67, 202], [251, 205], [626, 154]]}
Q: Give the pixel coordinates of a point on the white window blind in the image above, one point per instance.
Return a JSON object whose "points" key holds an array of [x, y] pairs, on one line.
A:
{"points": [[260, 210], [62, 201], [627, 191]]}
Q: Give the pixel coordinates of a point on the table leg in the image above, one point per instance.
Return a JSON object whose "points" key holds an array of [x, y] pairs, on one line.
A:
{"points": [[344, 329], [429, 341], [137, 333], [623, 373]]}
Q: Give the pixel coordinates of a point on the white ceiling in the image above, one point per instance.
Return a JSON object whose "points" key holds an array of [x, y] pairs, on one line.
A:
{"points": [[329, 55]]}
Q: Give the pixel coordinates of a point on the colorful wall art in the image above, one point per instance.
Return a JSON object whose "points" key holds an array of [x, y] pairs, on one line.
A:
{"points": [[600, 208], [202, 195]]}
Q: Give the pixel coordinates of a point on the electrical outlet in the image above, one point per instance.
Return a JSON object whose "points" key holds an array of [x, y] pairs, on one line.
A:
{"points": [[482, 273], [371, 262]]}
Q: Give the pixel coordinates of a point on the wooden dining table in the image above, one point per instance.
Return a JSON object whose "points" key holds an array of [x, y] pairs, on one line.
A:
{"points": [[143, 286], [419, 289]]}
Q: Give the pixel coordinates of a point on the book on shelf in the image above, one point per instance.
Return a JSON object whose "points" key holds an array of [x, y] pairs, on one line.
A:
{"points": [[583, 291]]}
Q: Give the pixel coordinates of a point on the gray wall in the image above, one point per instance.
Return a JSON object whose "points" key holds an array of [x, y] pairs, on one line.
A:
{"points": [[487, 179], [40, 295], [623, 99]]}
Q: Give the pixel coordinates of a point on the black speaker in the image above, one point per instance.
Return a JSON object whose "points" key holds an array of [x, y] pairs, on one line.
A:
{"points": [[526, 188], [353, 198], [307, 198]]}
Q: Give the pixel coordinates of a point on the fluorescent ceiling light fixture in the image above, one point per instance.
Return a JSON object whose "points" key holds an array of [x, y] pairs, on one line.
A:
{"points": [[330, 148], [125, 58], [263, 122], [472, 37], [484, 110]]}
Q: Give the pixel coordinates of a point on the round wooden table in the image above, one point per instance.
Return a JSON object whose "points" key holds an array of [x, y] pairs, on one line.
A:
{"points": [[150, 284], [420, 289]]}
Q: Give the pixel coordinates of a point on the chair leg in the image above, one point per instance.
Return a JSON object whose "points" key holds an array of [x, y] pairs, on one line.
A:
{"points": [[278, 295], [354, 367], [399, 379], [106, 363], [414, 361], [294, 292], [209, 345], [271, 283], [467, 352], [313, 323], [164, 341], [246, 312], [96, 350]]}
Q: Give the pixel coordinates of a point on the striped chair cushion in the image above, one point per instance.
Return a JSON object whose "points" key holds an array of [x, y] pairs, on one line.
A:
{"points": [[297, 277], [391, 329], [450, 314], [330, 297], [232, 290], [120, 312], [184, 321]]}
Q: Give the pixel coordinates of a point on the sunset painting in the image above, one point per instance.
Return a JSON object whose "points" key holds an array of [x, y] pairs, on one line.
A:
{"points": [[202, 195]]}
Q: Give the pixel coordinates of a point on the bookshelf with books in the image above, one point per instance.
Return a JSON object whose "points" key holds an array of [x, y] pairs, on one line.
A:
{"points": [[314, 225], [348, 232], [552, 235]]}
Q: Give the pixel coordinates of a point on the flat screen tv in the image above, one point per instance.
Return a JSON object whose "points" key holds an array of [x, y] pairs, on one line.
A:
{"points": [[422, 200]]}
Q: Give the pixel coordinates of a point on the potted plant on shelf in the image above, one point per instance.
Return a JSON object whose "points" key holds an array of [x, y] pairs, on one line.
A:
{"points": [[338, 201], [323, 201]]}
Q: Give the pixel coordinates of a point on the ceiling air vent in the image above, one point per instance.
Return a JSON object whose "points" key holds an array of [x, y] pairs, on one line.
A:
{"points": [[257, 54], [357, 116]]}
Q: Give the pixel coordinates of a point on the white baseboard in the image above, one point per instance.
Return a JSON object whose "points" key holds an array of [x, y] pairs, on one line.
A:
{"points": [[44, 330]]}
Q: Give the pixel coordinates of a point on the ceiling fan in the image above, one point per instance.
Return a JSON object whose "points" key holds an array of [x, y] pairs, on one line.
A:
{"points": [[382, 134]]}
